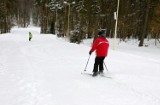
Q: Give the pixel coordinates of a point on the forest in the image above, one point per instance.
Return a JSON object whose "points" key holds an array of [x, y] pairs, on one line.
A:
{"points": [[80, 19]]}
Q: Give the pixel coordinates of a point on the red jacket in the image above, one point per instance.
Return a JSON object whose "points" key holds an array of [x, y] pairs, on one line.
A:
{"points": [[101, 45]]}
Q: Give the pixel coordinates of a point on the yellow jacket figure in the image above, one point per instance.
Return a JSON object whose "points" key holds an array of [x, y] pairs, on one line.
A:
{"points": [[30, 36]]}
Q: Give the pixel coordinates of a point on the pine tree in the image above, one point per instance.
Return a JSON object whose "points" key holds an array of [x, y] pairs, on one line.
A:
{"points": [[155, 21]]}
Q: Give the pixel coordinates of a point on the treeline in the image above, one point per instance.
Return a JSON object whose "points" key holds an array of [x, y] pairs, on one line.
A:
{"points": [[15, 12], [79, 19]]}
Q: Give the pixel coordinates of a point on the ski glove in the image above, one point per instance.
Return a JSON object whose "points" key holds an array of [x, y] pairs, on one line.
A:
{"points": [[90, 52]]}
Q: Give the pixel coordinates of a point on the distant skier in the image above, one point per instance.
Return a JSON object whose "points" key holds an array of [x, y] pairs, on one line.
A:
{"points": [[101, 46], [30, 36]]}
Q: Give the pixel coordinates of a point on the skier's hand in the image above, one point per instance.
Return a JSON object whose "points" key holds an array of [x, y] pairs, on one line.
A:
{"points": [[90, 52]]}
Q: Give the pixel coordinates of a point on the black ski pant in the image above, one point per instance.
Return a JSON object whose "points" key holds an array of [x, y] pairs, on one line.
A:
{"points": [[98, 64], [30, 39]]}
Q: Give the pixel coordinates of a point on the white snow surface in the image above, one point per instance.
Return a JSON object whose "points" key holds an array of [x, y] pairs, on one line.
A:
{"points": [[47, 71]]}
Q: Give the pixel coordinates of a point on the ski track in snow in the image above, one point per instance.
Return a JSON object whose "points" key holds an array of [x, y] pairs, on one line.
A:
{"points": [[145, 97], [132, 91], [47, 71]]}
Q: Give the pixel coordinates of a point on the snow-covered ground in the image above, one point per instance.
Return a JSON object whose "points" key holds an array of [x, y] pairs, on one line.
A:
{"points": [[47, 71]]}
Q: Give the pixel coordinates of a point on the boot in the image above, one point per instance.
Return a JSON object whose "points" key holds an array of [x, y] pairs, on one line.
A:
{"points": [[94, 74]]}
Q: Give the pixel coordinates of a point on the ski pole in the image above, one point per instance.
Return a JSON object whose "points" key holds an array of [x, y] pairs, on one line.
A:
{"points": [[105, 66], [87, 62]]}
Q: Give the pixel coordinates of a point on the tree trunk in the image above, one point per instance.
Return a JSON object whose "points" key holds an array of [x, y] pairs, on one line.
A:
{"points": [[144, 31]]}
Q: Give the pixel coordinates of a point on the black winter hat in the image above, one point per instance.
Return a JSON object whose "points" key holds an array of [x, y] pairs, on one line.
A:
{"points": [[101, 34]]}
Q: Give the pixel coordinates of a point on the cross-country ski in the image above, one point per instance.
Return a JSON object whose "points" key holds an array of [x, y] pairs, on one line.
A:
{"points": [[98, 75]]}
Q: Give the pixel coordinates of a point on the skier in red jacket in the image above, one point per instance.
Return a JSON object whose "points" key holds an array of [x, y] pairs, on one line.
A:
{"points": [[101, 46]]}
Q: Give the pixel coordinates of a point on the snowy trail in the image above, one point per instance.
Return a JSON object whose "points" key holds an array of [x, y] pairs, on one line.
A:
{"points": [[47, 71]]}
